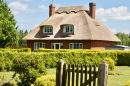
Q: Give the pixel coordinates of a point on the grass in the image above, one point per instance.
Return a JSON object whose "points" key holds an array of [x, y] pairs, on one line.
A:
{"points": [[113, 80]]}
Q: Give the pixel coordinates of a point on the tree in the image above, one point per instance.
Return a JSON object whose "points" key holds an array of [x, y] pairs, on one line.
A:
{"points": [[8, 29], [21, 35], [125, 40]]}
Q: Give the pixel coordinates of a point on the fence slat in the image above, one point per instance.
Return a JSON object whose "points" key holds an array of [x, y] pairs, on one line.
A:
{"points": [[81, 79], [86, 72], [94, 76], [64, 75], [77, 75], [73, 74], [90, 69], [69, 66]]}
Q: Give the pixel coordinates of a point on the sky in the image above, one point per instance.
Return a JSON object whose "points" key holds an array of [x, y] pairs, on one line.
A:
{"points": [[114, 14]]}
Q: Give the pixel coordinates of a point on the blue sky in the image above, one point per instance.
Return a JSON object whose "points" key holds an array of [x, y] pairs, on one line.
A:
{"points": [[114, 14]]}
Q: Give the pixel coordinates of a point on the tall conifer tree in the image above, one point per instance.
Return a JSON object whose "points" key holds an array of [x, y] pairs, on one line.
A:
{"points": [[8, 29]]}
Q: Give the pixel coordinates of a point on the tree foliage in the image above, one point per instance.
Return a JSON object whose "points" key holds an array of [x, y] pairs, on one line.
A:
{"points": [[21, 35], [125, 38], [8, 29]]}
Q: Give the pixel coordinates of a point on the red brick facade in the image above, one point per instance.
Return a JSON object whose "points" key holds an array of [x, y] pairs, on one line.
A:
{"points": [[86, 44]]}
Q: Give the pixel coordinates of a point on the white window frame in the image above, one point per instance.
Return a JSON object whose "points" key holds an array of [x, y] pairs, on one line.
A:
{"points": [[69, 31], [55, 45], [74, 46], [47, 29], [37, 44]]}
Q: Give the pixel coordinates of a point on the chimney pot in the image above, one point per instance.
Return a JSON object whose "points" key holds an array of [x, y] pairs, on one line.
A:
{"points": [[51, 9], [92, 7]]}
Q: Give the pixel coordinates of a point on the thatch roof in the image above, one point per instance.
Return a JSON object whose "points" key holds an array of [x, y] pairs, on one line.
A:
{"points": [[85, 28]]}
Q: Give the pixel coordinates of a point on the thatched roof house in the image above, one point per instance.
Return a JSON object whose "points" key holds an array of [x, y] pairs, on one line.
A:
{"points": [[71, 27]]}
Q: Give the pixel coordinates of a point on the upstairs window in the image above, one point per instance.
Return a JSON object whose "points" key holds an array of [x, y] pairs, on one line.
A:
{"points": [[47, 29], [68, 29]]}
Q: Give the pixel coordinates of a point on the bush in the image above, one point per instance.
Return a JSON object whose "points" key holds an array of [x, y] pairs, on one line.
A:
{"points": [[123, 58], [128, 83], [29, 67], [47, 80], [111, 63]]}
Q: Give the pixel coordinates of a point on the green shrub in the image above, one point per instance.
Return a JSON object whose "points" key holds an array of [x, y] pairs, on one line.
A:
{"points": [[128, 83], [24, 50], [111, 63], [47, 80], [123, 58], [29, 67]]}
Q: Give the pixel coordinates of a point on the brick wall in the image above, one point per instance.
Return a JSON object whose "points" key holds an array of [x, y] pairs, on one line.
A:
{"points": [[100, 45], [86, 44]]}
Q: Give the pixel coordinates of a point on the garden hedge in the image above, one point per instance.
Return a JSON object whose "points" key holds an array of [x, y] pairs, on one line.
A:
{"points": [[16, 50], [50, 57]]}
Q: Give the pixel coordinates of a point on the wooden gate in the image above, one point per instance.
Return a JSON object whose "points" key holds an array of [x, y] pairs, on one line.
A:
{"points": [[73, 75]]}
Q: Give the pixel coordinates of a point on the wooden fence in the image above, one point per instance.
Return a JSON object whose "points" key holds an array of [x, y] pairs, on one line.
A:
{"points": [[69, 75]]}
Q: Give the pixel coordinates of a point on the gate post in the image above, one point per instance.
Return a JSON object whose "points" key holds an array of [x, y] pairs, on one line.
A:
{"points": [[59, 72], [103, 74]]}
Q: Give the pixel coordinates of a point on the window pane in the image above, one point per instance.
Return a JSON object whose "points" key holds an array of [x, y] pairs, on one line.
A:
{"points": [[81, 46], [40, 45], [45, 30], [71, 47], [50, 30], [77, 46], [43, 45], [61, 45]]}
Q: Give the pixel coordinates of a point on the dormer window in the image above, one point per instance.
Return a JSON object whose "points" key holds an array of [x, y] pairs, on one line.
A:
{"points": [[47, 29], [68, 28]]}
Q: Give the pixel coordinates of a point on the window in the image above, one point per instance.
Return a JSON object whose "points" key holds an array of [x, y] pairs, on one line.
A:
{"points": [[57, 46], [47, 29], [76, 46], [38, 45], [68, 29]]}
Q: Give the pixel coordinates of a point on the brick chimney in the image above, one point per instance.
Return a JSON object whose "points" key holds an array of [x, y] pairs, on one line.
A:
{"points": [[92, 7], [51, 9]]}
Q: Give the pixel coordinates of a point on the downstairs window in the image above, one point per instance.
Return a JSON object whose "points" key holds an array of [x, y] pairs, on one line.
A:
{"points": [[76, 46], [38, 45]]}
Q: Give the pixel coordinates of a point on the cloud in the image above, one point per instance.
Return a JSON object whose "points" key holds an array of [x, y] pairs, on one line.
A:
{"points": [[43, 7], [113, 31], [17, 7], [119, 13]]}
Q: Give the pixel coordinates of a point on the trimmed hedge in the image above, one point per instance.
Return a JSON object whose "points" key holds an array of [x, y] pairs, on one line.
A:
{"points": [[123, 58], [16, 50], [89, 57], [67, 50], [50, 58]]}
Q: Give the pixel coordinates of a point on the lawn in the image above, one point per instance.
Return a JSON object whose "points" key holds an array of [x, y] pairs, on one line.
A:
{"points": [[113, 80]]}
